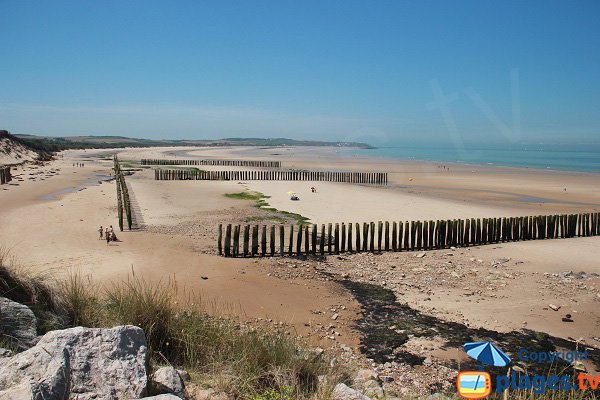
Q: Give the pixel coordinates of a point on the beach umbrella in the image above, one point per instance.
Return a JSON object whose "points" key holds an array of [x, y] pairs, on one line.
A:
{"points": [[291, 193], [487, 353]]}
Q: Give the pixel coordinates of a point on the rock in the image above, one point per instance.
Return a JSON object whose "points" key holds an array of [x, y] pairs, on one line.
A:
{"points": [[343, 392], [18, 325], [372, 388], [554, 307], [365, 375], [168, 381], [81, 363], [184, 375], [6, 353]]}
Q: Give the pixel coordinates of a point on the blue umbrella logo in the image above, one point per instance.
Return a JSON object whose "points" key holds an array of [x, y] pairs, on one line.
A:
{"points": [[487, 353]]}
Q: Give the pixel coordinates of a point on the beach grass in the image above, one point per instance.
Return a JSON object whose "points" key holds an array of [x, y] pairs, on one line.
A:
{"points": [[247, 362], [280, 216]]}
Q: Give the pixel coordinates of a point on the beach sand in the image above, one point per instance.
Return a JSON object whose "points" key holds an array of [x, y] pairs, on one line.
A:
{"points": [[51, 225]]}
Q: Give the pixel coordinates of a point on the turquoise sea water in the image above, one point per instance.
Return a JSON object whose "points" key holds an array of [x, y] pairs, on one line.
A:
{"points": [[573, 158]]}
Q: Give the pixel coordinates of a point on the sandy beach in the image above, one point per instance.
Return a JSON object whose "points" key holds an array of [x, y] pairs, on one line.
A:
{"points": [[51, 224]]}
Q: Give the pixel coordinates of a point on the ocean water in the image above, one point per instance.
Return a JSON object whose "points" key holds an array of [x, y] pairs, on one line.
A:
{"points": [[564, 158]]}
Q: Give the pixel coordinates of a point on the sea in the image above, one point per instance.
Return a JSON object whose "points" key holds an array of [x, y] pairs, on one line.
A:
{"points": [[578, 158]]}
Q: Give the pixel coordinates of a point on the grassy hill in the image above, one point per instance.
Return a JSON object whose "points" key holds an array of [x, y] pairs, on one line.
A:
{"points": [[52, 144]]}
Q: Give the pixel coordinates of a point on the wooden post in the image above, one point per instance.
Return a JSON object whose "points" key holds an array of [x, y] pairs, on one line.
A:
{"points": [[291, 244], [236, 241], [329, 239], [358, 248], [314, 239], [299, 242], [379, 235], [343, 239], [365, 236], [394, 236], [372, 241], [272, 241], [406, 227], [246, 240], [337, 239], [282, 240], [322, 240], [263, 241], [228, 241], [254, 240], [219, 241], [350, 237], [306, 241]]}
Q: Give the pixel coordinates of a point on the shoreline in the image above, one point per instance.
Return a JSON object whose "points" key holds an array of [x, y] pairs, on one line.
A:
{"points": [[463, 163]]}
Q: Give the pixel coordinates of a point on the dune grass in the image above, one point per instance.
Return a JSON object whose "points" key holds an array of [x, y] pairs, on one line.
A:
{"points": [[246, 362]]}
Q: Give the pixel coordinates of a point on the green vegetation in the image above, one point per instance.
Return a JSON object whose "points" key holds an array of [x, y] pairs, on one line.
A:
{"points": [[53, 144], [259, 202], [246, 362]]}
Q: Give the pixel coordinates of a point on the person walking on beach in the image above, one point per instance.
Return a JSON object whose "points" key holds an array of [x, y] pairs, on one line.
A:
{"points": [[100, 231], [107, 236]]}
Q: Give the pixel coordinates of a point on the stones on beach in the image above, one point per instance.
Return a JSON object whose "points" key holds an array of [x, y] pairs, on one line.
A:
{"points": [[82, 363], [168, 381], [18, 325], [344, 392], [554, 307]]}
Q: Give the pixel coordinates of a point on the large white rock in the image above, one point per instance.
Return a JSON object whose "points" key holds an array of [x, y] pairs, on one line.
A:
{"points": [[343, 392], [17, 324], [79, 363], [168, 381]]}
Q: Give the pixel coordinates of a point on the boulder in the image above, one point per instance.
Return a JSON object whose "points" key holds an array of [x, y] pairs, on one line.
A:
{"points": [[343, 392], [373, 389], [6, 353], [369, 382], [79, 363], [18, 325], [168, 381]]}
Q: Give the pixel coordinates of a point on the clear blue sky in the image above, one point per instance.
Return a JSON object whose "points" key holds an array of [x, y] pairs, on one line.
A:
{"points": [[511, 71]]}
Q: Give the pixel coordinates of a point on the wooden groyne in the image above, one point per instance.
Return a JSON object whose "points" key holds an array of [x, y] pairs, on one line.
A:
{"points": [[228, 163], [123, 202], [305, 240], [5, 175], [374, 178]]}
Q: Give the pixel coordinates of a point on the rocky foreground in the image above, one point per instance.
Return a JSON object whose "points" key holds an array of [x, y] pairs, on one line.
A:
{"points": [[103, 363]]}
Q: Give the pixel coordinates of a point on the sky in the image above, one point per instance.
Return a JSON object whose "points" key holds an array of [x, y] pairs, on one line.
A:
{"points": [[383, 72]]}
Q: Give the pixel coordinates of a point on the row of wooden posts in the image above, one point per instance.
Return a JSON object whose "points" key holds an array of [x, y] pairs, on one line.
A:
{"points": [[243, 241], [5, 175], [375, 178], [123, 202], [231, 163]]}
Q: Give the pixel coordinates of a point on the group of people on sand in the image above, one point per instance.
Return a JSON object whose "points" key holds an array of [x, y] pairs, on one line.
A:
{"points": [[108, 234], [79, 164]]}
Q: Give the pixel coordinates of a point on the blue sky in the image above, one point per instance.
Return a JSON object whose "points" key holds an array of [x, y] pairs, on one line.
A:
{"points": [[396, 72]]}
